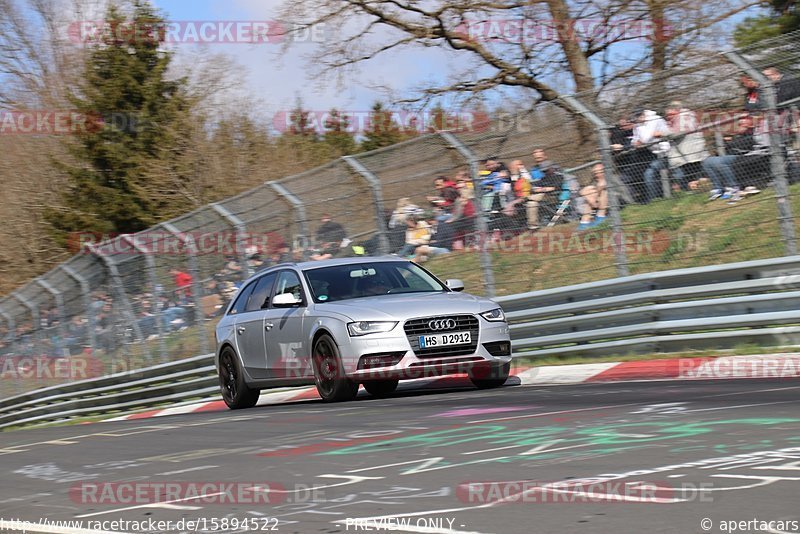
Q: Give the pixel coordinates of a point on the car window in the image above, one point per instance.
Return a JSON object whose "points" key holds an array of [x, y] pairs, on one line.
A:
{"points": [[241, 299], [341, 282], [413, 280], [259, 299], [289, 282]]}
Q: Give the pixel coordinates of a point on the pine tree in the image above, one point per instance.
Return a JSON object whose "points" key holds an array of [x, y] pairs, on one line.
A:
{"points": [[382, 130], [783, 17], [125, 173], [337, 135], [300, 121]]}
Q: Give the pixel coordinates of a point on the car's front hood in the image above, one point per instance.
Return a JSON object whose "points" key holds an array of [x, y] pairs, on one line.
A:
{"points": [[408, 306]]}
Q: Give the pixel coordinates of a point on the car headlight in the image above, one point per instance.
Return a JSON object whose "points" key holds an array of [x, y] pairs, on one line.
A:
{"points": [[370, 327], [494, 315]]}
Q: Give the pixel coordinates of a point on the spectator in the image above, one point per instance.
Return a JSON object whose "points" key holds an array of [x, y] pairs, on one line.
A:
{"points": [[274, 249], [752, 98], [689, 146], [403, 209], [649, 131], [463, 179], [546, 182], [462, 217], [446, 192], [330, 232], [183, 285], [786, 88], [496, 174], [254, 262], [721, 170], [331, 238], [519, 192], [631, 161], [147, 321], [418, 232], [594, 199], [77, 333], [441, 242]]}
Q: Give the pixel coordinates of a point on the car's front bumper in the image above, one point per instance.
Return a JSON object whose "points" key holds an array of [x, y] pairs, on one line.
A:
{"points": [[411, 365]]}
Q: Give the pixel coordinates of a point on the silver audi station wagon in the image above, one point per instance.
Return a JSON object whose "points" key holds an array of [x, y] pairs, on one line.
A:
{"points": [[344, 322]]}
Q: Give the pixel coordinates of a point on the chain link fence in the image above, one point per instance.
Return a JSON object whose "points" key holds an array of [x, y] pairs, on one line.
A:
{"points": [[697, 166]]}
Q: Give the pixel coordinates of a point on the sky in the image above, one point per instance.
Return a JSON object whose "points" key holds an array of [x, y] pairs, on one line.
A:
{"points": [[276, 79]]}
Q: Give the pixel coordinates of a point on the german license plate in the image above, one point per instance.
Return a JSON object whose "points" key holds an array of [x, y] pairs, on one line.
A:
{"points": [[444, 340]]}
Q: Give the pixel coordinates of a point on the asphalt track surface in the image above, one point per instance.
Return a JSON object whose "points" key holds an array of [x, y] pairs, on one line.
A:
{"points": [[657, 456]]}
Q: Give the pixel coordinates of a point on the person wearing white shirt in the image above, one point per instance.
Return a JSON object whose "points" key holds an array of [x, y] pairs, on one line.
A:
{"points": [[649, 129]]}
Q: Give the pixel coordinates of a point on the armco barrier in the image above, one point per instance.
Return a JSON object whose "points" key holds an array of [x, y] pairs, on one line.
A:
{"points": [[705, 307]]}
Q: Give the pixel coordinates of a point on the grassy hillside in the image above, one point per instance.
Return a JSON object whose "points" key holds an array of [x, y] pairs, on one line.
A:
{"points": [[685, 231]]}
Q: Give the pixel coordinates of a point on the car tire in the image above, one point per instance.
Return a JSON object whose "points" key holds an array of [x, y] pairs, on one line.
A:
{"points": [[235, 391], [381, 388], [491, 377], [329, 377]]}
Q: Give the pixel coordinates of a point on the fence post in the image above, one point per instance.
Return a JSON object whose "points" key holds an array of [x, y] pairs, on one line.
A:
{"points": [[299, 209], [10, 336], [241, 238], [796, 119], [87, 303], [377, 195], [59, 298], [12, 327], [125, 304], [616, 185], [35, 318], [155, 288], [197, 289], [777, 160], [483, 221]]}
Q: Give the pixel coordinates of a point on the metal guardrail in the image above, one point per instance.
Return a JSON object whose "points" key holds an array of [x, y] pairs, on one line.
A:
{"points": [[705, 307]]}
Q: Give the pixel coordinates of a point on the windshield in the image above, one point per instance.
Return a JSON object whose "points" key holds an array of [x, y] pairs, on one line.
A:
{"points": [[329, 284]]}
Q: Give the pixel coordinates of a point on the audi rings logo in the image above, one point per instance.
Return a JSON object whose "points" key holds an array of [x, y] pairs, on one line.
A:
{"points": [[442, 324]]}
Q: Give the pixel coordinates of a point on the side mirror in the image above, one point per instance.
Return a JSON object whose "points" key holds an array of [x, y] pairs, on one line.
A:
{"points": [[286, 300], [455, 284]]}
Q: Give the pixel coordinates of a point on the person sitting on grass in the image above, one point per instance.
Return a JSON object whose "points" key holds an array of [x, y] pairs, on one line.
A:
{"points": [[594, 199], [418, 232], [441, 242]]}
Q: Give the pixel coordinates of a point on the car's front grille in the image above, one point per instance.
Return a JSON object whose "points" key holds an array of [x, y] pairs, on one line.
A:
{"points": [[415, 328]]}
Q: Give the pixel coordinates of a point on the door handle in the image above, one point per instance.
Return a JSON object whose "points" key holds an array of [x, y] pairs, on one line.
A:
{"points": [[240, 329], [268, 326]]}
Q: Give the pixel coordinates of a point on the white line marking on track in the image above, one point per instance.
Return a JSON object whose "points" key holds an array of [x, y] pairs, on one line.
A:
{"points": [[538, 448], [739, 406], [552, 413], [199, 468]]}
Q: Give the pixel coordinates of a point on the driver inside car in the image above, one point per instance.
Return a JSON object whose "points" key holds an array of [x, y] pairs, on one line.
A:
{"points": [[374, 285]]}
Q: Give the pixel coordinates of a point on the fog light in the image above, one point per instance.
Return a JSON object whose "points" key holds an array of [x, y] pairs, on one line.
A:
{"points": [[498, 348], [371, 361]]}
